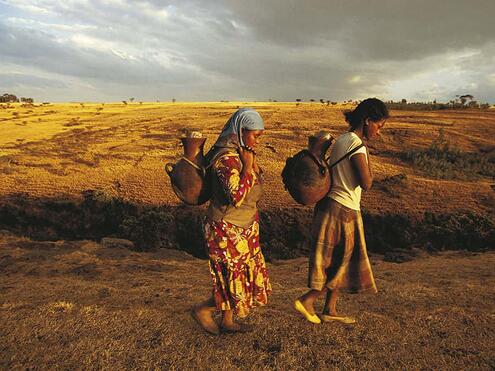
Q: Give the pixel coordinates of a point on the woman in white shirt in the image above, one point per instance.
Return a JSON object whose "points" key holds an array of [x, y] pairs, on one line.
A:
{"points": [[339, 260]]}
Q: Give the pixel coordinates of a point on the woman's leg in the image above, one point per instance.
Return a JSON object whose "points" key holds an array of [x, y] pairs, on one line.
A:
{"points": [[228, 321], [308, 299], [330, 307], [203, 313]]}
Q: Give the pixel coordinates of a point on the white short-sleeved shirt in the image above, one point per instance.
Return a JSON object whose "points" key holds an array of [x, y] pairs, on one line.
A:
{"points": [[345, 187]]}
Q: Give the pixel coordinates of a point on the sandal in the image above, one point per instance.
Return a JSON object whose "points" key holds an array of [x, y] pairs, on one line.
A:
{"points": [[343, 319], [313, 318]]}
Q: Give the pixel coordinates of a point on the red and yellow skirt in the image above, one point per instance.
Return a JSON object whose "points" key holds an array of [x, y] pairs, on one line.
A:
{"points": [[237, 266]]}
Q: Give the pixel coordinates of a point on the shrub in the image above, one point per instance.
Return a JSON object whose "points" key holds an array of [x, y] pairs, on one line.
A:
{"points": [[458, 231], [148, 230], [442, 160]]}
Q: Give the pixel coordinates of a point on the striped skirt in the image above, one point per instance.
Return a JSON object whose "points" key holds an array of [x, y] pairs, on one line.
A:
{"points": [[339, 259]]}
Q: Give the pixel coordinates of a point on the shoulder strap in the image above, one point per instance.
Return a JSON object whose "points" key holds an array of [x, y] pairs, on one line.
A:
{"points": [[321, 166], [347, 154]]}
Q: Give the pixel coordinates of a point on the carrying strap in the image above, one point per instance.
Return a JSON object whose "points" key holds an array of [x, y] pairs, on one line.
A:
{"points": [[202, 170], [318, 162], [346, 155]]}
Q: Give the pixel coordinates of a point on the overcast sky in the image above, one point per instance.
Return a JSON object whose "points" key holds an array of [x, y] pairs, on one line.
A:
{"points": [[110, 50]]}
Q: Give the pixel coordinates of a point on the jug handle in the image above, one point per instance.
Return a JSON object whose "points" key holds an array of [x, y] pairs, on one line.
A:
{"points": [[169, 168]]}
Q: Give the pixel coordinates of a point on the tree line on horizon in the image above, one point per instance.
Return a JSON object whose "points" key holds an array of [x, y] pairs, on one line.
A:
{"points": [[459, 102], [11, 98]]}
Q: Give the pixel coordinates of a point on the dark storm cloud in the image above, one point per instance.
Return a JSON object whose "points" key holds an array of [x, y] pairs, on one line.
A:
{"points": [[385, 29], [207, 50]]}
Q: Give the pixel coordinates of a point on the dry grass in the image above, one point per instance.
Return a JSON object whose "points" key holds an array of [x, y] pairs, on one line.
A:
{"points": [[81, 305], [65, 149]]}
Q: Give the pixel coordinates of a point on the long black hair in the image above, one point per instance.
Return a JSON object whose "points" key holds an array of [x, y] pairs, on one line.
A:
{"points": [[372, 108]]}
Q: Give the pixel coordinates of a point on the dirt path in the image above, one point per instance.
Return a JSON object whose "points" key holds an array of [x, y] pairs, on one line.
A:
{"points": [[83, 305]]}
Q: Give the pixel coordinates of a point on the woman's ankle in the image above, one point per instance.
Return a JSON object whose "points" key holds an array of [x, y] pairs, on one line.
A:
{"points": [[328, 312]]}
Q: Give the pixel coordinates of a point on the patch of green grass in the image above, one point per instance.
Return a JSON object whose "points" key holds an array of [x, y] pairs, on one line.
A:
{"points": [[442, 160]]}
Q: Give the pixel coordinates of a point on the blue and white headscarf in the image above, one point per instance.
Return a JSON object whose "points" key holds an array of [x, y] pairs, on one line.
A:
{"points": [[242, 119]]}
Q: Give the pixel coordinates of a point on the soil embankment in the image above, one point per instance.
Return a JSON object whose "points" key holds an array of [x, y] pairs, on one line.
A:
{"points": [[284, 231]]}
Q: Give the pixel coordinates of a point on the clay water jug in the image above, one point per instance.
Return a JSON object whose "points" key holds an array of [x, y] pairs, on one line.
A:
{"points": [[306, 175], [188, 174]]}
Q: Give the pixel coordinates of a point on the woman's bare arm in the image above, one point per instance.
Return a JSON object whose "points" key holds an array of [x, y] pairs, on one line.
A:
{"points": [[362, 169]]}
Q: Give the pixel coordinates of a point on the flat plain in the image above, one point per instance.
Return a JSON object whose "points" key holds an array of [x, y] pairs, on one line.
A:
{"points": [[63, 149], [82, 303]]}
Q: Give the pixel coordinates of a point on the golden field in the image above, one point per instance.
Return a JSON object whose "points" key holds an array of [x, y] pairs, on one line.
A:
{"points": [[60, 150], [75, 300]]}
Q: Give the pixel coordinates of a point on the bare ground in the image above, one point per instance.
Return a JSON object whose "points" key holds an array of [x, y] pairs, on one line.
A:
{"points": [[80, 305]]}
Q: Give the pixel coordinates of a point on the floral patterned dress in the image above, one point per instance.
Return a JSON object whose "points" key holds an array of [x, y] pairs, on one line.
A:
{"points": [[237, 265]]}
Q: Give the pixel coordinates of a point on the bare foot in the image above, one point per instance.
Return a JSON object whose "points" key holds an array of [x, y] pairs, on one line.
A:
{"points": [[231, 327], [204, 317]]}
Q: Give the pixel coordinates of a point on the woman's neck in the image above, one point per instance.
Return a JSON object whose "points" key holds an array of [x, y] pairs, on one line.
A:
{"points": [[358, 132]]}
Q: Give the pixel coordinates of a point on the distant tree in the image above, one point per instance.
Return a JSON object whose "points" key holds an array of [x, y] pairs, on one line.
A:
{"points": [[473, 104], [140, 102], [27, 100], [125, 102], [311, 100], [403, 101], [298, 100], [322, 101], [173, 100], [8, 98], [131, 100], [462, 99]]}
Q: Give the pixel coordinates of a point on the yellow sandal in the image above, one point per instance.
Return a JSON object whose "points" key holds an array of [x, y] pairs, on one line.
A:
{"points": [[313, 318]]}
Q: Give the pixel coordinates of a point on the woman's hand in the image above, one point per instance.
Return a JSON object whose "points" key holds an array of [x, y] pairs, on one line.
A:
{"points": [[247, 158]]}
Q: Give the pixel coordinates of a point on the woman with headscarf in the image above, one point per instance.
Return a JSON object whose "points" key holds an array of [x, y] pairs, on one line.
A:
{"points": [[231, 228]]}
